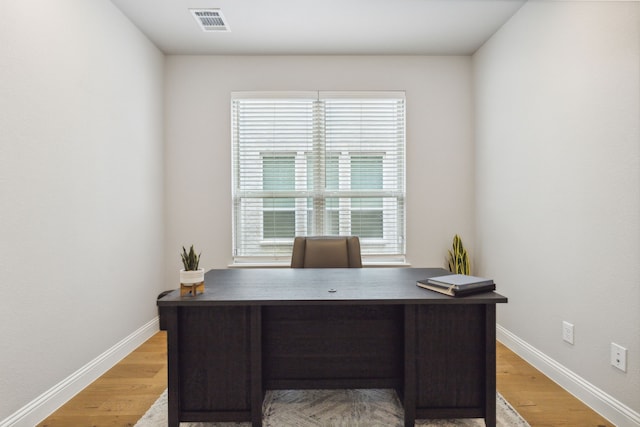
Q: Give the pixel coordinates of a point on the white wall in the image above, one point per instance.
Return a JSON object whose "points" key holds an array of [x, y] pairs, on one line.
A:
{"points": [[557, 179], [198, 169], [81, 189]]}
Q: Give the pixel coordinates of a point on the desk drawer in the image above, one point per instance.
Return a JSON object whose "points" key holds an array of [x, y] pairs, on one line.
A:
{"points": [[214, 359], [450, 356]]}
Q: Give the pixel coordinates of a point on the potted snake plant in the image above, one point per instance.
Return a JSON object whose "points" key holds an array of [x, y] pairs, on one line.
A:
{"points": [[458, 258], [191, 274]]}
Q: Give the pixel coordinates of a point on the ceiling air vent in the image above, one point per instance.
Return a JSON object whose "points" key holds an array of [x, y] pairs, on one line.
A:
{"points": [[210, 19]]}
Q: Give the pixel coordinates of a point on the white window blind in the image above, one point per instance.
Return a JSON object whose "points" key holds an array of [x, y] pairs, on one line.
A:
{"points": [[318, 163]]}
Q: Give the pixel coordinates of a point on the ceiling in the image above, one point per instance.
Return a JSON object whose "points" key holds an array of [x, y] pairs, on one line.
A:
{"points": [[319, 27]]}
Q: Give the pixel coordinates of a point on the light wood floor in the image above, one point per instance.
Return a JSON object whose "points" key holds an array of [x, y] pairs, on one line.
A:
{"points": [[123, 394], [539, 400]]}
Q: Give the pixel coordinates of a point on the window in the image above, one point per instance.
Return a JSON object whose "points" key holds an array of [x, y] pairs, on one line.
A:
{"points": [[318, 163], [278, 213]]}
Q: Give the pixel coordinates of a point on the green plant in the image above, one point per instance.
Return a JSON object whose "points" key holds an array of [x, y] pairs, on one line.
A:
{"points": [[190, 260], [458, 258]]}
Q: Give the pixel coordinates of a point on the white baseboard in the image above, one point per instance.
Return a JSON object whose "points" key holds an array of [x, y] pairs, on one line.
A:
{"points": [[49, 401], [601, 402]]}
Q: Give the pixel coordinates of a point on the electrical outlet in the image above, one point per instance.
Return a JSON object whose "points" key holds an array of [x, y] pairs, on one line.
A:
{"points": [[619, 357], [567, 332]]}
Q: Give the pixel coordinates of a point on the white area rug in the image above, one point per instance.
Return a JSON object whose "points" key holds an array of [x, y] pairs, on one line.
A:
{"points": [[334, 408]]}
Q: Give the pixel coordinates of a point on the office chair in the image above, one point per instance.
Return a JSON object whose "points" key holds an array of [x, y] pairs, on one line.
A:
{"points": [[326, 252]]}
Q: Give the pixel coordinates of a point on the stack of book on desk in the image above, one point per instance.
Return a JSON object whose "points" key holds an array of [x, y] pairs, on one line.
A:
{"points": [[457, 285]]}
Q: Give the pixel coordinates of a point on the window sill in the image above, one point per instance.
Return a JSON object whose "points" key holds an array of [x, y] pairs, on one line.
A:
{"points": [[376, 264]]}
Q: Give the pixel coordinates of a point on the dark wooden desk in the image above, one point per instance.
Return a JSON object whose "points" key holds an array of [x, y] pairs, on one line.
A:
{"points": [[259, 329]]}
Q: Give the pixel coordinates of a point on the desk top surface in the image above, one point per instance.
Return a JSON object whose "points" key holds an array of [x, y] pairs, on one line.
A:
{"points": [[330, 286]]}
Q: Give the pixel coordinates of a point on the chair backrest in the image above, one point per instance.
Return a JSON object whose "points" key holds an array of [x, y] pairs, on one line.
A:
{"points": [[326, 252]]}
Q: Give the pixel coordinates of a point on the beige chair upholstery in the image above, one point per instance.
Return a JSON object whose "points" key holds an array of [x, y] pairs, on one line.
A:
{"points": [[326, 252]]}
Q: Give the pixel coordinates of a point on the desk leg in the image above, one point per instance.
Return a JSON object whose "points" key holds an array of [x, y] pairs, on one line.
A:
{"points": [[490, 366], [256, 366], [171, 319], [409, 365]]}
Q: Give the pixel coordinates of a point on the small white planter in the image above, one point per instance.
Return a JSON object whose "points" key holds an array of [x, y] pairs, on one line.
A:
{"points": [[191, 277]]}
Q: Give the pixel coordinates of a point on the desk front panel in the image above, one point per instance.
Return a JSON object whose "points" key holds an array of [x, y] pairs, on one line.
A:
{"points": [[355, 346]]}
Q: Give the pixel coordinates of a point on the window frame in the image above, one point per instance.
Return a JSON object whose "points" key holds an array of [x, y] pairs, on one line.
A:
{"points": [[311, 194]]}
